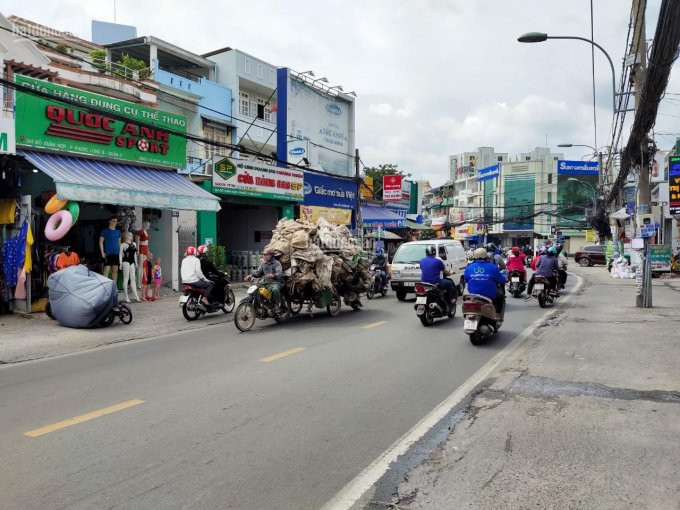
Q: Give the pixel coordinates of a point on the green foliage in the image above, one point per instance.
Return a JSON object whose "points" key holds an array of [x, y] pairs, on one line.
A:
{"points": [[216, 255], [98, 58], [62, 48], [426, 235], [378, 173]]}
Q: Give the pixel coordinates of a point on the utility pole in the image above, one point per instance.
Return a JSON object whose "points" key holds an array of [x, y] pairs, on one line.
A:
{"points": [[643, 298], [357, 170]]}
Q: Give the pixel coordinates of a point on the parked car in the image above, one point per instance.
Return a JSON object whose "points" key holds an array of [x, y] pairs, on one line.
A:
{"points": [[405, 267], [589, 255]]}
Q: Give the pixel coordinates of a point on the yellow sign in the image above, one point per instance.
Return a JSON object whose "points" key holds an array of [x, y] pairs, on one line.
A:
{"points": [[590, 236], [366, 189], [333, 215]]}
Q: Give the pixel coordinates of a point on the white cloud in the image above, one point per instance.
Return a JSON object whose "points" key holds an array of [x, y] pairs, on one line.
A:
{"points": [[381, 109]]}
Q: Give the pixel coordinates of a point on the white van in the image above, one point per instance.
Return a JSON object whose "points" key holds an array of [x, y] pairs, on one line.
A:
{"points": [[406, 263]]}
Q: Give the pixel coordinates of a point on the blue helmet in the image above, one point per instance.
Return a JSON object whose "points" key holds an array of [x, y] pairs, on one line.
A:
{"points": [[379, 252]]}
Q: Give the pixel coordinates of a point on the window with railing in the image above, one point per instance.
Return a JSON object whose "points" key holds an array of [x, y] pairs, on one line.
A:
{"points": [[215, 134]]}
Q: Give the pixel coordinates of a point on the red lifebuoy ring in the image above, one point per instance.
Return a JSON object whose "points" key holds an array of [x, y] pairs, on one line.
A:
{"points": [[58, 225], [55, 204]]}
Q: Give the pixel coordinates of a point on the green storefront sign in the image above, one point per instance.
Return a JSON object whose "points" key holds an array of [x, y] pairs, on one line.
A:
{"points": [[135, 133], [660, 257]]}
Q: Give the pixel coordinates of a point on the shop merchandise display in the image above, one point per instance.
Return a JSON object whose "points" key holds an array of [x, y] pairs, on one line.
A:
{"points": [[142, 237], [64, 215], [127, 259]]}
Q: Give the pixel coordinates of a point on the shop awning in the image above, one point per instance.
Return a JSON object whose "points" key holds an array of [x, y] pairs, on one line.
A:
{"points": [[372, 215], [416, 226], [103, 182], [386, 235]]}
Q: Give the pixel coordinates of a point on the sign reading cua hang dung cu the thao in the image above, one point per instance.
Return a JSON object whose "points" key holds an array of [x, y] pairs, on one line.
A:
{"points": [[102, 127], [253, 179]]}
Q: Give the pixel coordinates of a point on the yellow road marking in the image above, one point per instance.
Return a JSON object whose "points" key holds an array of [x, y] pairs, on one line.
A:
{"points": [[283, 354], [82, 418], [369, 326]]}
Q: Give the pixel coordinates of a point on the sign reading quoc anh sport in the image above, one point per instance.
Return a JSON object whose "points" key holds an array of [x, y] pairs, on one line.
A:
{"points": [[7, 143], [129, 132], [252, 179]]}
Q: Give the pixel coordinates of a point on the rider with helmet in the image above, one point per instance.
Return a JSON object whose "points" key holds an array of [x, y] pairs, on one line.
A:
{"points": [[272, 272], [485, 279], [380, 262], [494, 256], [431, 267], [541, 252], [546, 267], [211, 272], [516, 262], [192, 274]]}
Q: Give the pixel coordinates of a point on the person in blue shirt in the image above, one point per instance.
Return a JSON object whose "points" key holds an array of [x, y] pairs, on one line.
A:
{"points": [[484, 278], [430, 269], [380, 261], [109, 246]]}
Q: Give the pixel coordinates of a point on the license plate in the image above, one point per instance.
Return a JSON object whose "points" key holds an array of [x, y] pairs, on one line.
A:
{"points": [[538, 286], [183, 299], [420, 310], [410, 284], [421, 300], [515, 279], [470, 324]]}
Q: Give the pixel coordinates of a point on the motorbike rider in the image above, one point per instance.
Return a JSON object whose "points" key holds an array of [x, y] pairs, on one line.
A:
{"points": [[192, 274], [272, 272], [516, 262], [494, 256], [209, 269], [484, 278], [380, 262], [541, 252], [430, 268], [546, 267], [561, 266]]}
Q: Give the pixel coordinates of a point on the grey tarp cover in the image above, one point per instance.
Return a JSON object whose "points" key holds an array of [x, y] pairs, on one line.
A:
{"points": [[80, 298]]}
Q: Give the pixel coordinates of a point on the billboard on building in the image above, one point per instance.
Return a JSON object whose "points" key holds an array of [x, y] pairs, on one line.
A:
{"points": [[326, 191], [129, 132], [313, 124], [252, 179], [366, 189], [392, 188], [577, 183], [658, 171], [674, 185], [7, 140]]}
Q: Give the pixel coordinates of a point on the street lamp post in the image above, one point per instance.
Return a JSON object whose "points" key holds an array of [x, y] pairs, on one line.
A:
{"points": [[534, 37]]}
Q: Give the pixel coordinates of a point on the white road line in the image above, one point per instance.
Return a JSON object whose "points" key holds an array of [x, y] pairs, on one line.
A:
{"points": [[351, 492]]}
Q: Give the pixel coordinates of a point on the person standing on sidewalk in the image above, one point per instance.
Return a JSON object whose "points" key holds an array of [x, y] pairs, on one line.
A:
{"points": [[109, 246]]}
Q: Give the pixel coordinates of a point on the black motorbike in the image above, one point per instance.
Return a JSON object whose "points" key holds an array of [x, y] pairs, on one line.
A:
{"points": [[258, 304], [431, 303], [516, 283], [544, 291], [376, 285], [222, 299]]}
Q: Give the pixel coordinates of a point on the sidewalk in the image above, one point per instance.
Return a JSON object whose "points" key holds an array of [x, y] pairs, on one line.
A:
{"points": [[585, 414], [37, 336]]}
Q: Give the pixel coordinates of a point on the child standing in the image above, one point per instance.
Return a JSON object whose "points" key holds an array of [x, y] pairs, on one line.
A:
{"points": [[157, 279], [147, 278]]}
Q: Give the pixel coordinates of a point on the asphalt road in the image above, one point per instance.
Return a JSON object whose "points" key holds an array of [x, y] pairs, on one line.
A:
{"points": [[203, 421]]}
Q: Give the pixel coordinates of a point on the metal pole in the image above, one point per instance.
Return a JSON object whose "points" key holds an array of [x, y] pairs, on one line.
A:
{"points": [[359, 226]]}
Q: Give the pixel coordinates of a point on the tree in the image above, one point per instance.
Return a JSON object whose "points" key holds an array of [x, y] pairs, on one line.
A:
{"points": [[378, 173]]}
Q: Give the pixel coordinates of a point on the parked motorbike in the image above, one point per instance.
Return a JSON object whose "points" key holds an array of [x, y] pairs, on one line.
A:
{"points": [[376, 285], [431, 304], [543, 291], [121, 312], [481, 319], [516, 284], [258, 305], [222, 299]]}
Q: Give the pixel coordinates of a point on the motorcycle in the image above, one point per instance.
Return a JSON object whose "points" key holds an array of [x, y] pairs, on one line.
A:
{"points": [[516, 284], [543, 291], [222, 299], [481, 319], [121, 312], [376, 284], [258, 305], [431, 304]]}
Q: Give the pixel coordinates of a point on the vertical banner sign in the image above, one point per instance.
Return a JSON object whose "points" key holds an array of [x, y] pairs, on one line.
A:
{"points": [[366, 189], [674, 185], [392, 188]]}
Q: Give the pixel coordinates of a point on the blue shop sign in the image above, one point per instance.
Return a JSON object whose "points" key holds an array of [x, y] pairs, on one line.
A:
{"points": [[577, 167], [330, 191], [490, 172]]}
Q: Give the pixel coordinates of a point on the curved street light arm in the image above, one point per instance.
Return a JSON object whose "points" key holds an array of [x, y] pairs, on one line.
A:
{"points": [[611, 64]]}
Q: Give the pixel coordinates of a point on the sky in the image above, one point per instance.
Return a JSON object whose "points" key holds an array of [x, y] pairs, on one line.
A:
{"points": [[432, 77]]}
